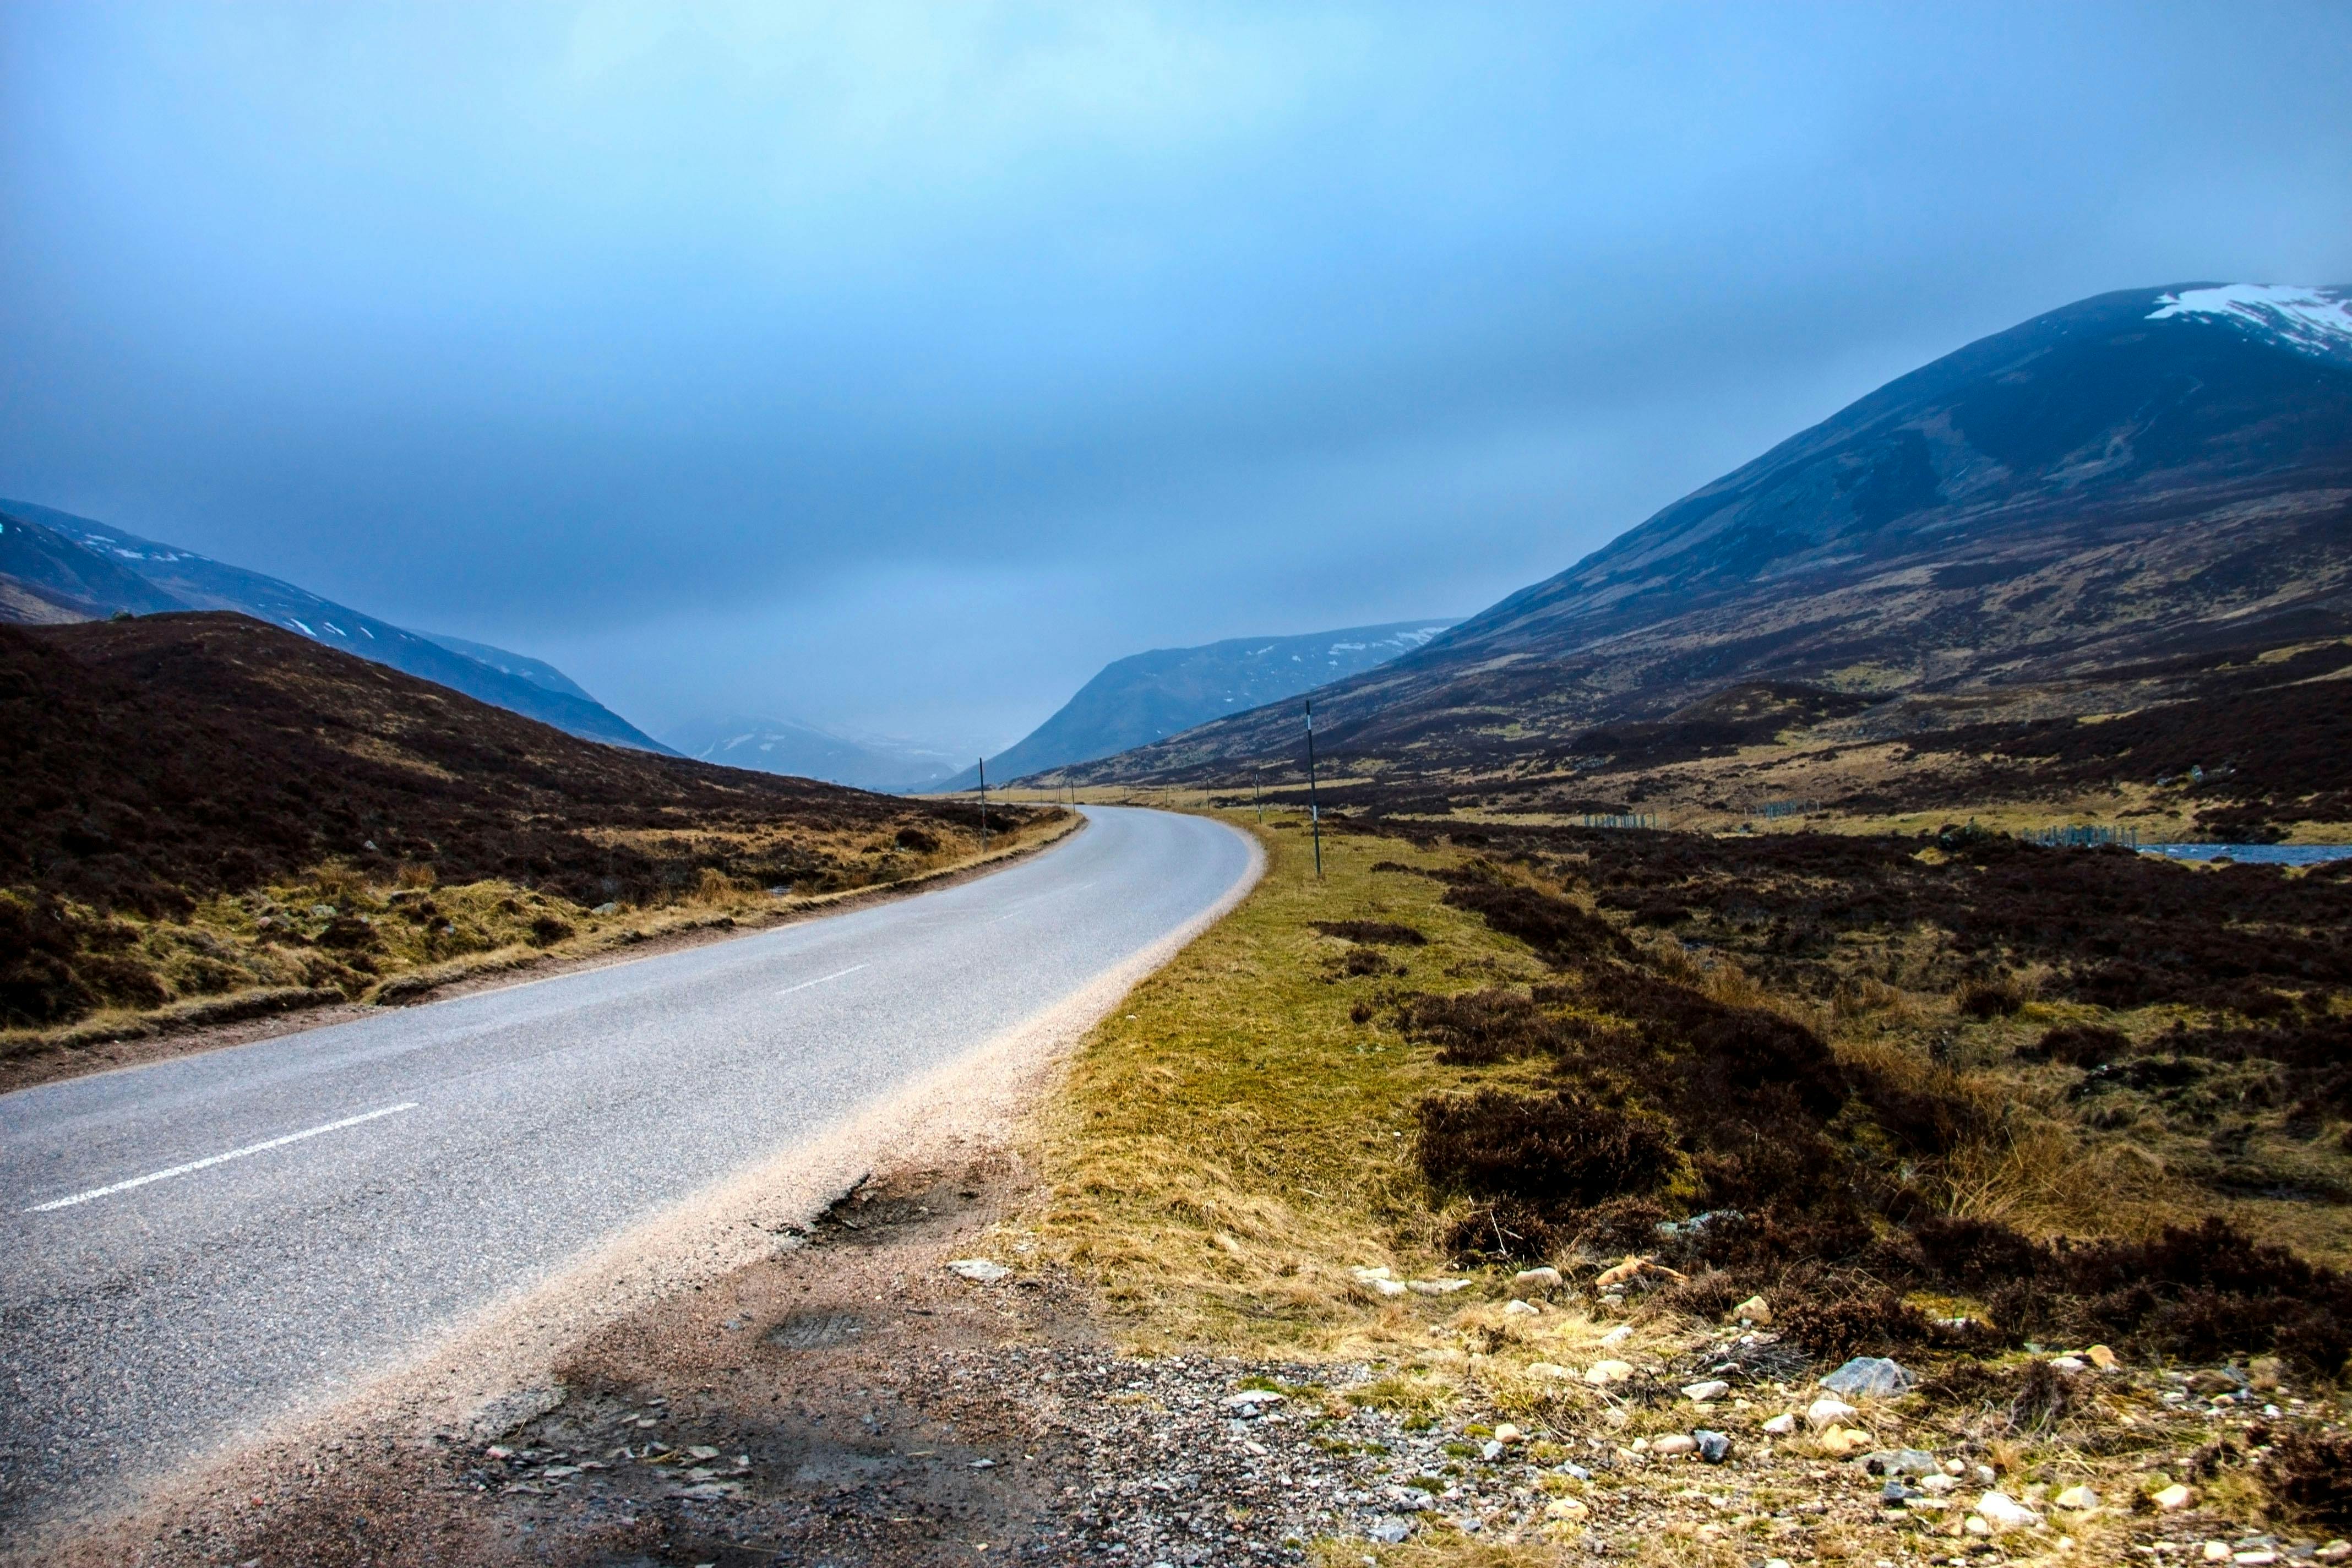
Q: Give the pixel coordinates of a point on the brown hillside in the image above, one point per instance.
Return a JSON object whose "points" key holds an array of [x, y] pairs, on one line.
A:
{"points": [[169, 757], [2099, 488]]}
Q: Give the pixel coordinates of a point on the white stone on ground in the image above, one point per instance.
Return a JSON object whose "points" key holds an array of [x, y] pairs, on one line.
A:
{"points": [[1825, 1412], [2005, 1513]]}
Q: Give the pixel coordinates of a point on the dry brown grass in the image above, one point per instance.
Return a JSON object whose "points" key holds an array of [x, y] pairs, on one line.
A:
{"points": [[1233, 1143], [337, 934]]}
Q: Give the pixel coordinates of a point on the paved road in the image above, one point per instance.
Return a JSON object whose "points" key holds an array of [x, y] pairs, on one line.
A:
{"points": [[505, 1133]]}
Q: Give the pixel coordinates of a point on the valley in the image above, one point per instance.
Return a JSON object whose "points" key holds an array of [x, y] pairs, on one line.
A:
{"points": [[1705, 1076], [1064, 785], [1146, 697]]}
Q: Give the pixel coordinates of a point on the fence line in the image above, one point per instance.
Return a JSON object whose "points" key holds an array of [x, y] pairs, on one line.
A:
{"points": [[2081, 836]]}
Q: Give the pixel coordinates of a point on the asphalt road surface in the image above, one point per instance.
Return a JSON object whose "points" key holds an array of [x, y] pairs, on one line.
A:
{"points": [[388, 1178]]}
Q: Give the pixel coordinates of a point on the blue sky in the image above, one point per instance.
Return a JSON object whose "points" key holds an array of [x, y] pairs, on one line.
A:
{"points": [[896, 367]]}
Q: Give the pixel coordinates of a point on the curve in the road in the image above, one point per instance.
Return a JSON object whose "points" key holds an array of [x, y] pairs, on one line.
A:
{"points": [[191, 1248]]}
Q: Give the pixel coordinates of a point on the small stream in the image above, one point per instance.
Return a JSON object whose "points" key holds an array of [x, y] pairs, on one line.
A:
{"points": [[2254, 854]]}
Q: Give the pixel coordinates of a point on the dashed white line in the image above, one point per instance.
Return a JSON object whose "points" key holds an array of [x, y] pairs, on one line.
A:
{"points": [[219, 1159], [820, 980]]}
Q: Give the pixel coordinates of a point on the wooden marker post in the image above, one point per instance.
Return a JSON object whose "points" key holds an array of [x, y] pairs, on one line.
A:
{"points": [[1313, 810]]}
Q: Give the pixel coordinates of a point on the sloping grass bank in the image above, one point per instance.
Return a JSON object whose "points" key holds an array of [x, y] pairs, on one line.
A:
{"points": [[1238, 1139]]}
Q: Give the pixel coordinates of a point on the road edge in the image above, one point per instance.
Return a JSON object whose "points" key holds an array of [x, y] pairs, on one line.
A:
{"points": [[137, 1051]]}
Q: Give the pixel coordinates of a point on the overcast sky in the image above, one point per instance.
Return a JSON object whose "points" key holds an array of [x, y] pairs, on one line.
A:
{"points": [[894, 368]]}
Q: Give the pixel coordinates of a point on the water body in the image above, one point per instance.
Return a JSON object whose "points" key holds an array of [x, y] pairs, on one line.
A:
{"points": [[2254, 854]]}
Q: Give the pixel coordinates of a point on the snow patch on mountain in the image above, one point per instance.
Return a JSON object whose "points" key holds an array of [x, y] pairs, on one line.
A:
{"points": [[2315, 321]]}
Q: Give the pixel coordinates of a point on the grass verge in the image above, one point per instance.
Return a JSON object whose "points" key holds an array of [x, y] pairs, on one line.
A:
{"points": [[1234, 1142]]}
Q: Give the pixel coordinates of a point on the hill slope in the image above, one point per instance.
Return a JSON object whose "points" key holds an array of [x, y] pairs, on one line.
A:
{"points": [[55, 567], [188, 753], [2145, 474], [538, 671], [1147, 696]]}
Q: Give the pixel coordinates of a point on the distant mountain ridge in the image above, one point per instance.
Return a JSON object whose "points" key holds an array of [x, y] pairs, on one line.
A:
{"points": [[1147, 697], [55, 567], [538, 671], [2135, 476], [804, 750]]}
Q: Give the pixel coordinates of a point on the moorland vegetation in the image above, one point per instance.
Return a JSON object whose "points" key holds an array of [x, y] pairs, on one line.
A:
{"points": [[1954, 1100], [209, 817]]}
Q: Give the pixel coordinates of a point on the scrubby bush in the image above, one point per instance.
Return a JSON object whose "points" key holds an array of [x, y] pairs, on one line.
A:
{"points": [[2310, 1473], [1480, 1029], [1551, 1150], [2078, 1045], [1989, 998]]}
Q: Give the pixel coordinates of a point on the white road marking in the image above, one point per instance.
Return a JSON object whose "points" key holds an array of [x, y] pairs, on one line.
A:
{"points": [[820, 980], [1020, 905], [219, 1159]]}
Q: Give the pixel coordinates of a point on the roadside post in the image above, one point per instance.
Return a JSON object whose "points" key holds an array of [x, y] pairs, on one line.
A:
{"points": [[983, 806], [1313, 810]]}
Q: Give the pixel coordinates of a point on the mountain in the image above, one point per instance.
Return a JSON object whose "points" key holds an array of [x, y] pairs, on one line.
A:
{"points": [[55, 567], [1147, 696], [2147, 474], [538, 671], [785, 746]]}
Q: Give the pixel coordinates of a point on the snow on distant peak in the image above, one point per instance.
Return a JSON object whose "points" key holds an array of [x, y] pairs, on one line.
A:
{"points": [[2315, 321]]}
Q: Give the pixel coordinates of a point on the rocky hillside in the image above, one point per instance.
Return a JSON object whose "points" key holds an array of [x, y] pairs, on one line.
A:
{"points": [[2147, 474], [57, 568], [1148, 696]]}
